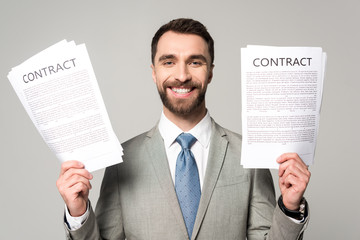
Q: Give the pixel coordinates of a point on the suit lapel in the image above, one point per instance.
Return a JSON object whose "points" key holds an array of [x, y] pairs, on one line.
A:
{"points": [[156, 150], [217, 153]]}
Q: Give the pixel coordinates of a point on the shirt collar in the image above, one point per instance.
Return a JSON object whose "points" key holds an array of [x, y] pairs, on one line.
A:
{"points": [[169, 131]]}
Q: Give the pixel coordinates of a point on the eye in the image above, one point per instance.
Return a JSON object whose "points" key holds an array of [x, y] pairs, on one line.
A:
{"points": [[168, 63], [196, 63]]}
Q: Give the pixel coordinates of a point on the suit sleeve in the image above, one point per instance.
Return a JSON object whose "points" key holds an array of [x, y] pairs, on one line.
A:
{"points": [[284, 228], [89, 229], [261, 204], [265, 222], [106, 222]]}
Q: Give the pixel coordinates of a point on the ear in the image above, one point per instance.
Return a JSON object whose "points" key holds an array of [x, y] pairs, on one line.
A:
{"points": [[211, 73], [153, 72]]}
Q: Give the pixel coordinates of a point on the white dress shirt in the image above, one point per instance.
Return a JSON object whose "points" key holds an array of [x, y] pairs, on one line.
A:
{"points": [[202, 132]]}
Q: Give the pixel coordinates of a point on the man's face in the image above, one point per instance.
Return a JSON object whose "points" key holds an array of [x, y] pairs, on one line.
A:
{"points": [[182, 70]]}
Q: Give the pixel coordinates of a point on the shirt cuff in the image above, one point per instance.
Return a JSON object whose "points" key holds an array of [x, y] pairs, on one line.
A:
{"points": [[296, 221], [75, 223]]}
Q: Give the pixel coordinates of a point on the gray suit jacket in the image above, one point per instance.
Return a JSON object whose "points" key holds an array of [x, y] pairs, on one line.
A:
{"points": [[138, 199]]}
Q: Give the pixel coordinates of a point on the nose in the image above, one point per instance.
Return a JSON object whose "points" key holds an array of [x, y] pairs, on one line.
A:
{"points": [[182, 73]]}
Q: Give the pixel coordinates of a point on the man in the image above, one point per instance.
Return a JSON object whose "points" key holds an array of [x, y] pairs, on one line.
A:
{"points": [[151, 196]]}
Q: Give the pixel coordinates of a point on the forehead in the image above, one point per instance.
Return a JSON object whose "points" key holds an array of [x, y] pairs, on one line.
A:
{"points": [[180, 44]]}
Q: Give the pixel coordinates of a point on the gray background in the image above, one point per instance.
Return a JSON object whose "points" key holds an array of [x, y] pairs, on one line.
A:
{"points": [[118, 36]]}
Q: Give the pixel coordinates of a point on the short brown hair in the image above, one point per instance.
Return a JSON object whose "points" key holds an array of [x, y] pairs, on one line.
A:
{"points": [[186, 26]]}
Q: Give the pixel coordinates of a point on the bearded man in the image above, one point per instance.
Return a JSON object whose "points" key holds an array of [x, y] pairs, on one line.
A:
{"points": [[183, 179]]}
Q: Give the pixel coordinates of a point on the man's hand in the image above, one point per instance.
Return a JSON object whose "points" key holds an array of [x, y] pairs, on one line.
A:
{"points": [[74, 186], [294, 177]]}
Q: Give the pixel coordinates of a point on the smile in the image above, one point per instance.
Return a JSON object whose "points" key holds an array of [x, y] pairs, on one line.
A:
{"points": [[181, 90]]}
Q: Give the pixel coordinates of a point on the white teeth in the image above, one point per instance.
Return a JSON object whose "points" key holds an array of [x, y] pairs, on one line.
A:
{"points": [[181, 90]]}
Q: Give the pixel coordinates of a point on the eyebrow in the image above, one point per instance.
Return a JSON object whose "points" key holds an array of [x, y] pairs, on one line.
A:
{"points": [[165, 57], [199, 56], [192, 57]]}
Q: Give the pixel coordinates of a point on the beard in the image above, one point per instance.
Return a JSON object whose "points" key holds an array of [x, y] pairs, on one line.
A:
{"points": [[182, 106]]}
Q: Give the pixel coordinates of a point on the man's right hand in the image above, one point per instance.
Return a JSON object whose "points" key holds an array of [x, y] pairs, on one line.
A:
{"points": [[74, 186]]}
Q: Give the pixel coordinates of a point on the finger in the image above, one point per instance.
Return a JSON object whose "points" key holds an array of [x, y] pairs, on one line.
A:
{"points": [[77, 179], [286, 156], [295, 178], [70, 164], [76, 199], [71, 177], [65, 187], [296, 185], [293, 167], [76, 196], [288, 181], [302, 175], [76, 171], [290, 158], [72, 190], [80, 188]]}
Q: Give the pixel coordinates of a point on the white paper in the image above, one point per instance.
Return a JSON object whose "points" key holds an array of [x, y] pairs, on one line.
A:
{"points": [[281, 101], [59, 91]]}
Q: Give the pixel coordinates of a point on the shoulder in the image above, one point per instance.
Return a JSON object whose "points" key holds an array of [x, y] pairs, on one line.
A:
{"points": [[139, 140], [234, 151], [142, 146], [135, 153], [231, 136]]}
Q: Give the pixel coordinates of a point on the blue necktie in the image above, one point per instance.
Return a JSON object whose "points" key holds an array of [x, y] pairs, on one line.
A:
{"points": [[187, 183]]}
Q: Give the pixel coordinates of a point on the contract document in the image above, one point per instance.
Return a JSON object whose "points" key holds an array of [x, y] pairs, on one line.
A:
{"points": [[281, 101], [60, 93]]}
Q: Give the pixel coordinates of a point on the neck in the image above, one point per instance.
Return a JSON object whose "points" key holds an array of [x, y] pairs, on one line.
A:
{"points": [[188, 121]]}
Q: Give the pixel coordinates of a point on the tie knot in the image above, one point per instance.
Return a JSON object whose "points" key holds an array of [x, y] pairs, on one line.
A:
{"points": [[186, 140]]}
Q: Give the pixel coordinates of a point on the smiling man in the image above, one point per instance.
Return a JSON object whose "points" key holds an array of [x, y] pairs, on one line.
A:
{"points": [[182, 69], [183, 178]]}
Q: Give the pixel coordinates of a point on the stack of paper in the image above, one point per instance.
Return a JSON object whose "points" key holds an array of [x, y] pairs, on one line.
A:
{"points": [[59, 91], [281, 100]]}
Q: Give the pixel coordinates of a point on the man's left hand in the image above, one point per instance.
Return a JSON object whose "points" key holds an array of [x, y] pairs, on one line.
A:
{"points": [[294, 177]]}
